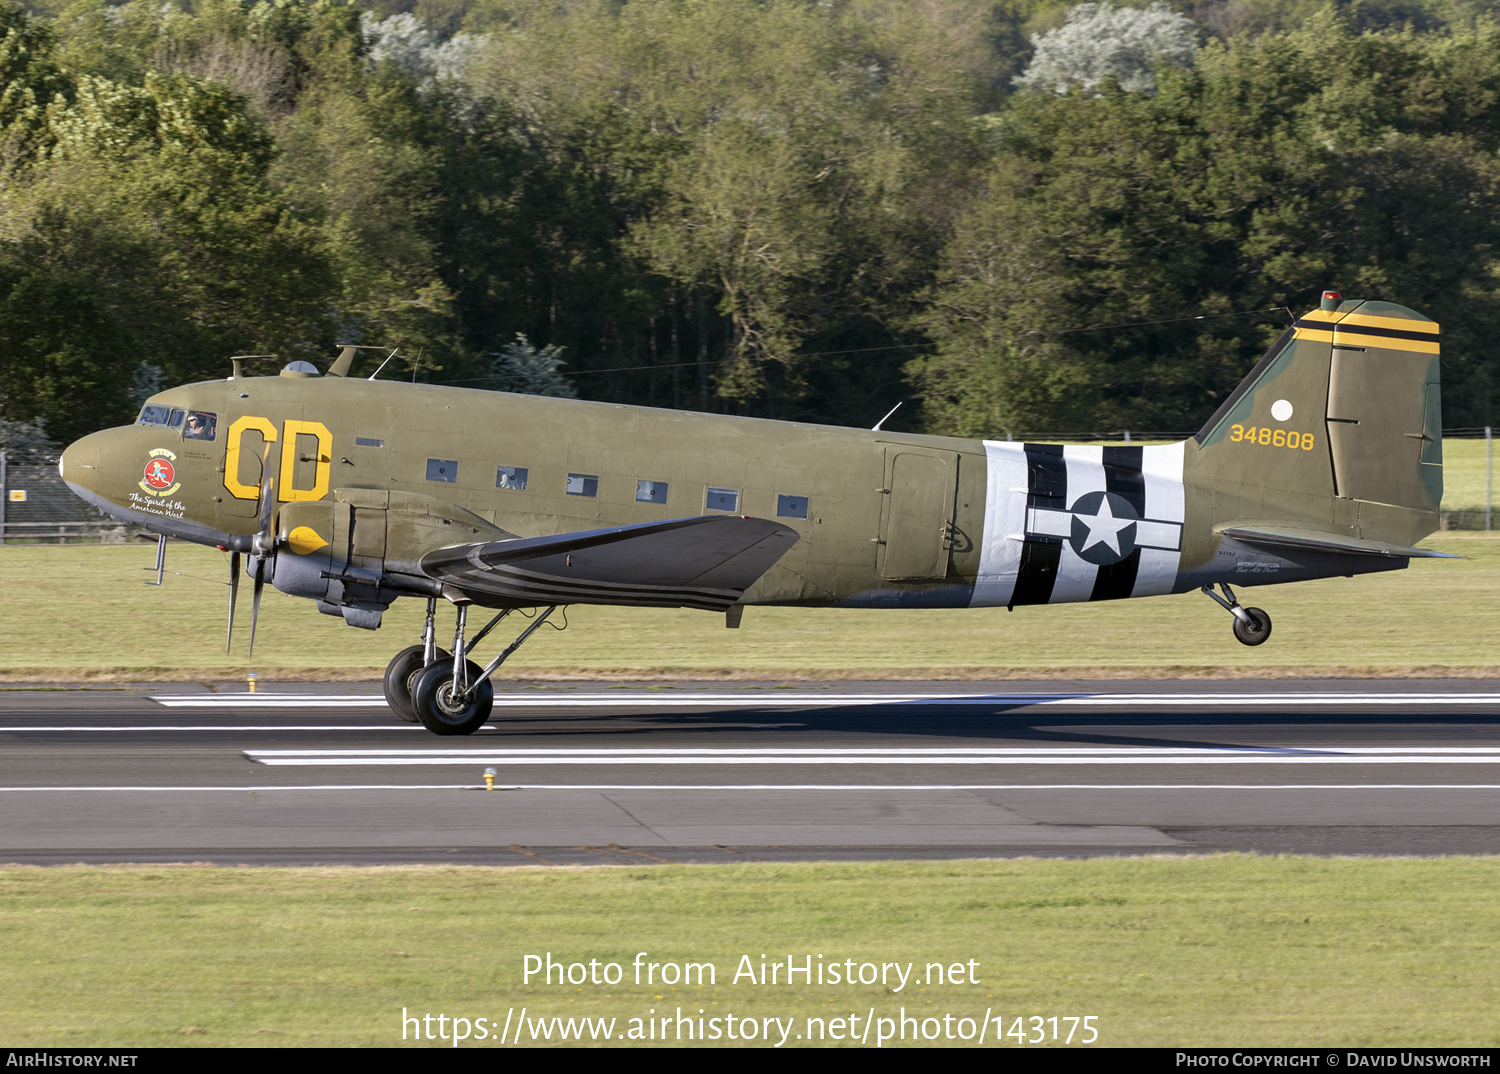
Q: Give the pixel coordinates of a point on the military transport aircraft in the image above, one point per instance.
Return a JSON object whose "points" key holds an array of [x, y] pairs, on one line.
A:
{"points": [[1326, 460]]}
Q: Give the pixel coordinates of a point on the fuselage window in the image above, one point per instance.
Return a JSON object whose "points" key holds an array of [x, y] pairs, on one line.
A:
{"points": [[511, 477], [583, 485], [442, 470], [200, 425], [154, 415], [723, 499], [651, 491], [365, 441], [791, 506]]}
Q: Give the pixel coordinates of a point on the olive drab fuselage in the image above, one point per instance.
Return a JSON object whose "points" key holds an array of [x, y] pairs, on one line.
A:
{"points": [[1326, 461]]}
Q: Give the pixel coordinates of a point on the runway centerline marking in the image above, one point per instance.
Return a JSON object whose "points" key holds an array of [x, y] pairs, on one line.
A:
{"points": [[961, 755], [775, 787], [808, 700]]}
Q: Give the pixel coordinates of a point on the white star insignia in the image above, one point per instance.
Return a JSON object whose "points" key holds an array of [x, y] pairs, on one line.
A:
{"points": [[1104, 528]]}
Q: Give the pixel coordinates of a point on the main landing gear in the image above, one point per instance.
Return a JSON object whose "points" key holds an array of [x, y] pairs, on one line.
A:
{"points": [[1252, 626], [445, 691]]}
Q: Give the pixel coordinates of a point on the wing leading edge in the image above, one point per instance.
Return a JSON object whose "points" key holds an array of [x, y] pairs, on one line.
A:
{"points": [[704, 562]]}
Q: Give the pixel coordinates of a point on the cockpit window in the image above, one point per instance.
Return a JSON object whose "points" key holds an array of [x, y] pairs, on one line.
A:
{"points": [[175, 421], [155, 415], [200, 425]]}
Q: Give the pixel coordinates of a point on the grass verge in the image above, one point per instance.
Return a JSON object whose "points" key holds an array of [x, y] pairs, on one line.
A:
{"points": [[1221, 950], [80, 614]]}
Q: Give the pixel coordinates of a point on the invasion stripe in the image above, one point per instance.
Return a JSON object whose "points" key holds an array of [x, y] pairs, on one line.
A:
{"points": [[515, 583], [1122, 476], [1046, 486], [520, 575]]}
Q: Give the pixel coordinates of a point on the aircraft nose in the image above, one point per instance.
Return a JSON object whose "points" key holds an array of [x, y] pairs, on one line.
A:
{"points": [[79, 464]]}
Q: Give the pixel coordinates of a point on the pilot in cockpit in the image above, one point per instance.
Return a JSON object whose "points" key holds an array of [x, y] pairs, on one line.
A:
{"points": [[200, 426]]}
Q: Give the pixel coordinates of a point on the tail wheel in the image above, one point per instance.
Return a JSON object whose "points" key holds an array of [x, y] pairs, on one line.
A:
{"points": [[1254, 632], [444, 713]]}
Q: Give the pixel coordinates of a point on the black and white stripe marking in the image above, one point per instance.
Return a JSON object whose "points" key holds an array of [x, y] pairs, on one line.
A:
{"points": [[1079, 523]]}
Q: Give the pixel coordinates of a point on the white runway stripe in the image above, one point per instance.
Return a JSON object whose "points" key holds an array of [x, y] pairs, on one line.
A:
{"points": [[787, 787], [901, 751], [811, 700], [394, 725], [1102, 755], [267, 701]]}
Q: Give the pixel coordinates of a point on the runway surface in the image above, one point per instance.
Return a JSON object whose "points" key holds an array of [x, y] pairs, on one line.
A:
{"points": [[713, 772]]}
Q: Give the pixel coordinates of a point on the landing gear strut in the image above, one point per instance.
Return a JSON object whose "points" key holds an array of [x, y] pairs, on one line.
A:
{"points": [[448, 693], [1252, 626], [401, 673]]}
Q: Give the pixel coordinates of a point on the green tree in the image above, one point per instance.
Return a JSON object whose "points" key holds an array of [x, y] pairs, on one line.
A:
{"points": [[65, 358], [1278, 166], [777, 169], [145, 230]]}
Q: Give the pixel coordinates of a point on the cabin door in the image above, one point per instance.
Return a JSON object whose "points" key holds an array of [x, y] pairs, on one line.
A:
{"points": [[916, 524]]}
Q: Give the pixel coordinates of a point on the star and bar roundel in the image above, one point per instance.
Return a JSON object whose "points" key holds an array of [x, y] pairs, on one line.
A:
{"points": [[1104, 527]]}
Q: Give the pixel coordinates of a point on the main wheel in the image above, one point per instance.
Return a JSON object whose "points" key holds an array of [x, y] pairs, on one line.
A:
{"points": [[1254, 632], [432, 696], [401, 674]]}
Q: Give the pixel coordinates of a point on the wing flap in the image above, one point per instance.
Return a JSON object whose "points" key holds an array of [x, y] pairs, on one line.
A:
{"points": [[702, 562], [1293, 538]]}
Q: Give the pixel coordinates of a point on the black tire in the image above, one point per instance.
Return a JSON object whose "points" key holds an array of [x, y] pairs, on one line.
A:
{"points": [[1248, 634], [432, 697], [402, 672], [398, 675]]}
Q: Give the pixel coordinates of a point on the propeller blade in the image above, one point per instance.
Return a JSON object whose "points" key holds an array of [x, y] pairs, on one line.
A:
{"points": [[260, 584], [267, 493], [234, 592], [265, 538]]}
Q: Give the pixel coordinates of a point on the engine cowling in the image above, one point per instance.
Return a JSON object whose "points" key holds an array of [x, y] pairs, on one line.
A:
{"points": [[357, 552]]}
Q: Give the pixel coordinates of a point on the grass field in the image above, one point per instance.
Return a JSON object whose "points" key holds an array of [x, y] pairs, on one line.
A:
{"points": [[1223, 950], [1464, 472], [81, 613]]}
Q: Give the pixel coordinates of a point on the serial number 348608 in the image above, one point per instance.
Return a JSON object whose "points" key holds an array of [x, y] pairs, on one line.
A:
{"points": [[1267, 436]]}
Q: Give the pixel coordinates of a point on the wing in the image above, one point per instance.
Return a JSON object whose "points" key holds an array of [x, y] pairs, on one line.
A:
{"points": [[706, 562], [1289, 538]]}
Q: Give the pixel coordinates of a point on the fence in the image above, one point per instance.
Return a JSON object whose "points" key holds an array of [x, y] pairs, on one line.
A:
{"points": [[1468, 478], [36, 505]]}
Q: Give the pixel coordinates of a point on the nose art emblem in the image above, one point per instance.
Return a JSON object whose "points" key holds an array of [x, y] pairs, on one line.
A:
{"points": [[160, 477]]}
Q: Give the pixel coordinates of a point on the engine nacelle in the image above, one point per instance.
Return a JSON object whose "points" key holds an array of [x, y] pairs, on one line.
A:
{"points": [[359, 551]]}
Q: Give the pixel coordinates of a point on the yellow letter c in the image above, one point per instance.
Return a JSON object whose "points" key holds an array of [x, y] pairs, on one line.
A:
{"points": [[238, 489]]}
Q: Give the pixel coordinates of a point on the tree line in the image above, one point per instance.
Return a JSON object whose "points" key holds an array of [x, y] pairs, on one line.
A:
{"points": [[801, 209]]}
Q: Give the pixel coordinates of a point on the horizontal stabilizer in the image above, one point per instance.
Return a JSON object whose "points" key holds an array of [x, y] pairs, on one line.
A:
{"points": [[704, 562], [1294, 538]]}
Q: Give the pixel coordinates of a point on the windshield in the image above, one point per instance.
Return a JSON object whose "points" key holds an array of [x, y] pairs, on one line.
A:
{"points": [[193, 424]]}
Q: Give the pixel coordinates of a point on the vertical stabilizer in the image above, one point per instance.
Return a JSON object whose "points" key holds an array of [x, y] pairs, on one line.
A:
{"points": [[1339, 426]]}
